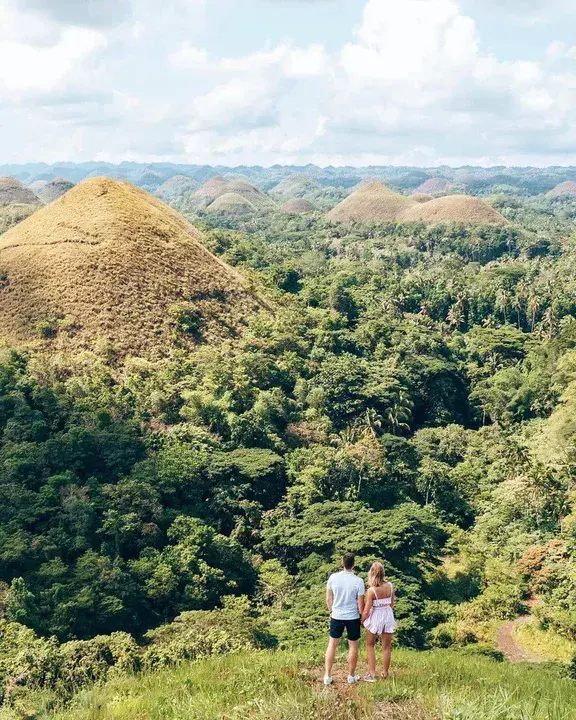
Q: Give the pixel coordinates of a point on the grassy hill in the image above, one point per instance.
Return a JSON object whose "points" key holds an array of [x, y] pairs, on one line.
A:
{"points": [[565, 189], [55, 189], [297, 206], [371, 203], [267, 685], [108, 262], [17, 202], [455, 208], [298, 185]]}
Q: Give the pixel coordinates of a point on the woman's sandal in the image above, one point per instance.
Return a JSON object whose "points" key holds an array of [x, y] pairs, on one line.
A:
{"points": [[370, 678]]}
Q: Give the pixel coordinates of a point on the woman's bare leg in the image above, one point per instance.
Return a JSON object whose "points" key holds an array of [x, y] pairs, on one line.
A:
{"points": [[386, 652], [371, 651]]}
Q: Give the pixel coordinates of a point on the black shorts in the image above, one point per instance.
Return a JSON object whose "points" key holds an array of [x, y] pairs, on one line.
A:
{"points": [[352, 629]]}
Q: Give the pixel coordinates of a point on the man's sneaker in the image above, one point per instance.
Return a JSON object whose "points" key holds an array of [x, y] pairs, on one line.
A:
{"points": [[328, 680], [353, 679]]}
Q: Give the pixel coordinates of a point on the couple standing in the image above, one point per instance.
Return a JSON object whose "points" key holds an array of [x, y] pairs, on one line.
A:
{"points": [[350, 607]]}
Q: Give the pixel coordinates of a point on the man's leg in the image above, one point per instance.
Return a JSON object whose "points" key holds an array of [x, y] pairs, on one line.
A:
{"points": [[330, 655], [352, 656]]}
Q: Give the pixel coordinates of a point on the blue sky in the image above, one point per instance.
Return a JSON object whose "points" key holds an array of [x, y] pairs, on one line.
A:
{"points": [[357, 82]]}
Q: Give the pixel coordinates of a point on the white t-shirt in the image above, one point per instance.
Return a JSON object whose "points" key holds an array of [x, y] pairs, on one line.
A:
{"points": [[347, 588]]}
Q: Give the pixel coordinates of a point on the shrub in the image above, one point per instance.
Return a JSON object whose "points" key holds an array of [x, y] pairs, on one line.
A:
{"points": [[486, 651], [571, 669], [187, 318], [47, 329], [29, 663], [201, 633]]}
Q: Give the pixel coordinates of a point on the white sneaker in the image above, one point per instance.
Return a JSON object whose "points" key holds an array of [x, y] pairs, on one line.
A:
{"points": [[328, 680], [353, 679]]}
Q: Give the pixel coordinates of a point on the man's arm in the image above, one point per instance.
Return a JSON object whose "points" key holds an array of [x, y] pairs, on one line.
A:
{"points": [[367, 605], [329, 599], [361, 596]]}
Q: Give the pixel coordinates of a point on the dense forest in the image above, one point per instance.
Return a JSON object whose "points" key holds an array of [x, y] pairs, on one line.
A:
{"points": [[410, 397]]}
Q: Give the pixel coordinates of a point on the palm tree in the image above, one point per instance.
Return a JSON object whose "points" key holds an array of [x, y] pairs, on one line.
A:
{"points": [[399, 413], [373, 423], [502, 302], [533, 307]]}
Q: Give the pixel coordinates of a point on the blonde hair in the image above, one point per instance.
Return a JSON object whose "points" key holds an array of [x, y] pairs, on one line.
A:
{"points": [[376, 575]]}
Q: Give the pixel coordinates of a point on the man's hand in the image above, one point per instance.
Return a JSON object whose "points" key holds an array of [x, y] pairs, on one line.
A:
{"points": [[329, 599]]}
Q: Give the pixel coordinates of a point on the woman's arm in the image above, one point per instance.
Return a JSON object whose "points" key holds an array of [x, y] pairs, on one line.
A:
{"points": [[367, 606], [393, 600]]}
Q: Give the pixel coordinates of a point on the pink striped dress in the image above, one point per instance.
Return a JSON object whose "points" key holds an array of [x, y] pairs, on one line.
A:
{"points": [[381, 616]]}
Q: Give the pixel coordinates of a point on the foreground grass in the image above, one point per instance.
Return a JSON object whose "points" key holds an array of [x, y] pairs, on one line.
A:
{"points": [[283, 685], [544, 643]]}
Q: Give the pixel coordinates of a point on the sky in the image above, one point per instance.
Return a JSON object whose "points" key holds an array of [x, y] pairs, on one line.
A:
{"points": [[329, 82]]}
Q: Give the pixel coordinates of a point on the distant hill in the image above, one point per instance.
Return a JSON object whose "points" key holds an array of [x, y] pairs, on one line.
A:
{"points": [[55, 189], [421, 197], [297, 206], [17, 202], [216, 187], [563, 189], [433, 185], [13, 192], [371, 203], [484, 181], [231, 203], [37, 185], [296, 186], [209, 191], [455, 208], [108, 262], [176, 188]]}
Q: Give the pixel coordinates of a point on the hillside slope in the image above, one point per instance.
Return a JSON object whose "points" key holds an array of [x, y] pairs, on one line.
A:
{"points": [[108, 262], [455, 208], [371, 203], [268, 686]]}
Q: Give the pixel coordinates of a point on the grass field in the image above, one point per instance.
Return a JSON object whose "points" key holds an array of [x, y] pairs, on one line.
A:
{"points": [[441, 684], [546, 644]]}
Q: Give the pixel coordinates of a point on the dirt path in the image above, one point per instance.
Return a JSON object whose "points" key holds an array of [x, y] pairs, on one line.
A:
{"points": [[405, 709], [508, 644]]}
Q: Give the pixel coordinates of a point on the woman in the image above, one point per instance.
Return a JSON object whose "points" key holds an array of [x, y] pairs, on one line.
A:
{"points": [[378, 619]]}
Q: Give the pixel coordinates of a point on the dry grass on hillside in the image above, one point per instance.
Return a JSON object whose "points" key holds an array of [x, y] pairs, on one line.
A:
{"points": [[217, 187], [296, 185], [253, 194], [455, 208], [13, 192], [108, 264], [55, 189], [564, 189], [433, 185], [371, 203], [231, 204], [176, 187], [363, 183], [210, 190], [37, 185], [297, 206], [11, 215], [421, 197]]}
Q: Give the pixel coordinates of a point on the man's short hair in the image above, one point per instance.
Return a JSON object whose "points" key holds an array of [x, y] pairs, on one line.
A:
{"points": [[348, 561]]}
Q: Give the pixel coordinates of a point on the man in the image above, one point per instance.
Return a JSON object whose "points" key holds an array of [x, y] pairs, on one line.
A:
{"points": [[345, 601]]}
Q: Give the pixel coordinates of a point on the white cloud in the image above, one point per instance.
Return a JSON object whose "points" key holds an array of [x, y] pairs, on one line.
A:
{"points": [[412, 84], [188, 57], [38, 57]]}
